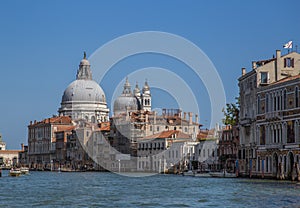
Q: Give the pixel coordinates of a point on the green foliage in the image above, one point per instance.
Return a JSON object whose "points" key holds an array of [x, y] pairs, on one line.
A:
{"points": [[231, 113]]}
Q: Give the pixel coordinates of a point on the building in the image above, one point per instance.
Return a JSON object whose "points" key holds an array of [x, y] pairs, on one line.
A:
{"points": [[23, 155], [59, 159], [2, 143], [206, 151], [128, 128], [84, 98], [269, 114], [83, 136], [228, 147], [168, 151], [42, 138], [8, 158]]}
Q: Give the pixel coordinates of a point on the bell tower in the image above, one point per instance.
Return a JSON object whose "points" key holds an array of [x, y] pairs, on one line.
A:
{"points": [[146, 97]]}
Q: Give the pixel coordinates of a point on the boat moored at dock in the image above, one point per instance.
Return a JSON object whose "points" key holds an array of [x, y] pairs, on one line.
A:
{"points": [[14, 172]]}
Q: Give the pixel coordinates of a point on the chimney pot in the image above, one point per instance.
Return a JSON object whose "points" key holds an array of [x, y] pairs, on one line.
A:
{"points": [[243, 71]]}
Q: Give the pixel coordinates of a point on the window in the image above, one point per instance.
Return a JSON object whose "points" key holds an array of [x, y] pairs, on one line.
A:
{"points": [[262, 135], [284, 99], [267, 103], [264, 77], [289, 62], [275, 103], [290, 131], [296, 97], [258, 104]]}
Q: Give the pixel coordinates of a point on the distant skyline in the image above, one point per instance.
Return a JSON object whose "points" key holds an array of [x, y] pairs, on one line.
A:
{"points": [[42, 44]]}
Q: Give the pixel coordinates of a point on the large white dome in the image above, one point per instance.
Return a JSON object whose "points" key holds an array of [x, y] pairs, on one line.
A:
{"points": [[83, 91], [84, 98]]}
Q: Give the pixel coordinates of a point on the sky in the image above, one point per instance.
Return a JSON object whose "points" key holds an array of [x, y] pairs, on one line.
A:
{"points": [[42, 43]]}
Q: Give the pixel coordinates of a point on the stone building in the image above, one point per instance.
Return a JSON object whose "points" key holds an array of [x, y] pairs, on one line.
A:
{"points": [[228, 147], [128, 128], [206, 150], [59, 159], [9, 158], [42, 138], [171, 151], [269, 116]]}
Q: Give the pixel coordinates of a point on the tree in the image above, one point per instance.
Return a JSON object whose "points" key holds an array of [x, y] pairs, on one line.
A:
{"points": [[231, 113]]}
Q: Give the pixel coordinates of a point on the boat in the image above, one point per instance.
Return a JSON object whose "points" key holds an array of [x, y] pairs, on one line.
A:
{"points": [[202, 174], [24, 170], [223, 174], [15, 172], [188, 173]]}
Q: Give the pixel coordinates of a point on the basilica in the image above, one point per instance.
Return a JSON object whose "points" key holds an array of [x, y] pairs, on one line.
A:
{"points": [[83, 125]]}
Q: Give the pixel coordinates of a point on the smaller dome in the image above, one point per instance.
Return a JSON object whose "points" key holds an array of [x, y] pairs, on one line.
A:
{"points": [[123, 103]]}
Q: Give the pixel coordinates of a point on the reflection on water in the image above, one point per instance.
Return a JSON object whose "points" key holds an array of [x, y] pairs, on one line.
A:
{"points": [[110, 190]]}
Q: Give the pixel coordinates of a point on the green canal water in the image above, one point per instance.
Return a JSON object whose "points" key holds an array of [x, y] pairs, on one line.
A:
{"points": [[94, 189]]}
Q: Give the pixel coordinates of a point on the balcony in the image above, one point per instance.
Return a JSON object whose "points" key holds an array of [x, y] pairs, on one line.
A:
{"points": [[245, 121], [274, 115]]}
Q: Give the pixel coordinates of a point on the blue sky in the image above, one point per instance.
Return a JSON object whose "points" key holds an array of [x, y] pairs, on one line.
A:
{"points": [[42, 43]]}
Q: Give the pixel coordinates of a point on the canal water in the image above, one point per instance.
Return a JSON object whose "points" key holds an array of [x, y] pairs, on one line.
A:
{"points": [[94, 189]]}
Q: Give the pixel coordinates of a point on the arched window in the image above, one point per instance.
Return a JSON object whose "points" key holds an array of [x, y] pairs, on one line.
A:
{"points": [[296, 97], [93, 119], [267, 103], [284, 99], [274, 102], [258, 104], [278, 101]]}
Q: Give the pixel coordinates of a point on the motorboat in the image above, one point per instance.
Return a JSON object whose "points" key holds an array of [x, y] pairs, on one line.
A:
{"points": [[223, 174], [188, 173], [24, 170], [204, 174], [14, 172]]}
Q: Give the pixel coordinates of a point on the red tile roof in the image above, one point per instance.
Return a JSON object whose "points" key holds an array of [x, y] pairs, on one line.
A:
{"points": [[286, 79], [169, 134], [54, 120]]}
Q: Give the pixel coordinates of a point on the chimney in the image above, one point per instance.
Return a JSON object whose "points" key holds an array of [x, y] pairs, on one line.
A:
{"points": [[190, 117], [278, 54], [243, 71], [34, 121], [22, 146], [184, 116], [196, 118], [278, 65], [253, 64]]}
